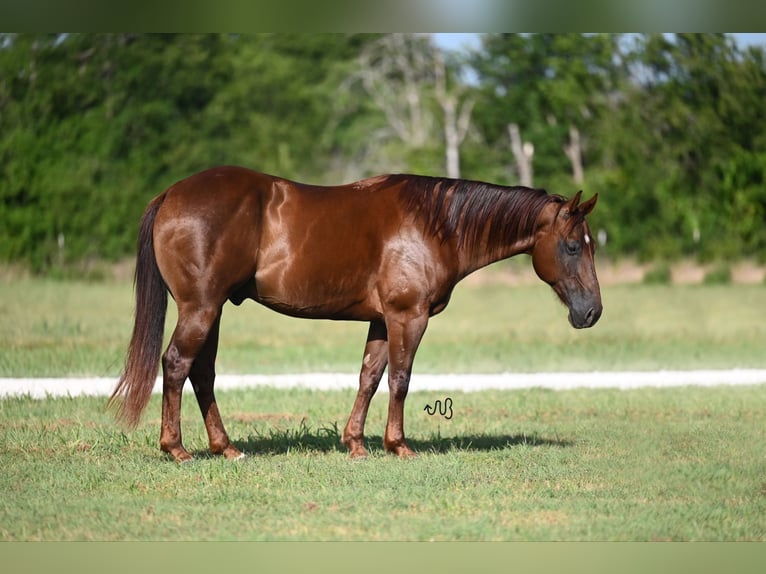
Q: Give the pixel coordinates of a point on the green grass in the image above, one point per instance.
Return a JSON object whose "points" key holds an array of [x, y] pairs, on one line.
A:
{"points": [[672, 464], [649, 464], [50, 328]]}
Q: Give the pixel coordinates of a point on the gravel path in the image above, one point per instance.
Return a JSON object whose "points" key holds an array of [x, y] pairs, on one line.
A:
{"points": [[40, 388]]}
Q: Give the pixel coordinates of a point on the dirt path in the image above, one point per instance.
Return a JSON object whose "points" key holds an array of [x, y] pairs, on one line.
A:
{"points": [[40, 388]]}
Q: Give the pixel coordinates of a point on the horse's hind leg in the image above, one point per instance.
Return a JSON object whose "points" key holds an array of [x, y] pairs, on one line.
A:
{"points": [[190, 335], [202, 377], [373, 365]]}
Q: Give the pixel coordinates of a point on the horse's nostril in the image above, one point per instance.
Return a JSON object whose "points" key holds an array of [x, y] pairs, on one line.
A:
{"points": [[592, 316]]}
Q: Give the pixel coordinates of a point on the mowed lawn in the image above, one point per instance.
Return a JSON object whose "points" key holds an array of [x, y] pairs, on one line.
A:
{"points": [[649, 464], [57, 329]]}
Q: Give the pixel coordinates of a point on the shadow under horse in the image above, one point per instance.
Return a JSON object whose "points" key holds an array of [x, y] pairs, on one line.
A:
{"points": [[326, 439], [387, 250]]}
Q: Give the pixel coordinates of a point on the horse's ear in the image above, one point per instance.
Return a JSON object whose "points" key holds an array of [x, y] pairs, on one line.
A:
{"points": [[570, 207], [587, 207], [572, 204]]}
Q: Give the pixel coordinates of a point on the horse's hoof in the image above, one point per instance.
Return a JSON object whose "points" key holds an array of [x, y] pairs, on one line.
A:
{"points": [[402, 451], [358, 453], [231, 453], [180, 455]]}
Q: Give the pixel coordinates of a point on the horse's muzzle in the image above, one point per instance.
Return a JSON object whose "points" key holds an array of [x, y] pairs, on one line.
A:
{"points": [[586, 318]]}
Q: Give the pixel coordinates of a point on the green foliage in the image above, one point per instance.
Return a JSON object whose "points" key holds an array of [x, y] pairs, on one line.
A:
{"points": [[718, 275], [658, 275], [687, 140], [94, 125]]}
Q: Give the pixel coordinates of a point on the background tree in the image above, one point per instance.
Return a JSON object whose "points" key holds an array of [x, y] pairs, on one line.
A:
{"points": [[549, 87], [95, 125], [418, 89], [687, 117], [670, 130]]}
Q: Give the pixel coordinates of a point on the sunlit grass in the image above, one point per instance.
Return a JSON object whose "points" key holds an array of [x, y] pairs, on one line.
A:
{"points": [[50, 328], [672, 464]]}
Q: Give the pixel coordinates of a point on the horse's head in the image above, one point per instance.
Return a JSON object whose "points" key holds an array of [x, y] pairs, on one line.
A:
{"points": [[563, 257]]}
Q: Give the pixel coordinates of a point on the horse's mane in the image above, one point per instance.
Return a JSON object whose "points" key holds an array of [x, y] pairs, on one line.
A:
{"points": [[462, 208]]}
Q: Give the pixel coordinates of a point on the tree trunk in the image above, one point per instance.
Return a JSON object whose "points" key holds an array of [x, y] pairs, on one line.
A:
{"points": [[456, 123], [522, 152], [574, 152], [392, 71], [452, 147]]}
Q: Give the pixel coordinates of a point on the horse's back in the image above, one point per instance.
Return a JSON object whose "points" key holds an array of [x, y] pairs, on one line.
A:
{"points": [[301, 249], [321, 247], [223, 185]]}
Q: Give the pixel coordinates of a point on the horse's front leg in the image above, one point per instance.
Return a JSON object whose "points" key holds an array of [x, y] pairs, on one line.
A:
{"points": [[404, 334], [373, 365]]}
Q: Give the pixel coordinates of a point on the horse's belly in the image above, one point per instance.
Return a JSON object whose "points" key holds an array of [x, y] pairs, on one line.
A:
{"points": [[317, 297]]}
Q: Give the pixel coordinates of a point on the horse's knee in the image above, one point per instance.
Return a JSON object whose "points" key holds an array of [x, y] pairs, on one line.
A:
{"points": [[368, 385]]}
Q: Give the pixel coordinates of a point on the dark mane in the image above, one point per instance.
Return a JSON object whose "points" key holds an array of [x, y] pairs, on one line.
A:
{"points": [[462, 208]]}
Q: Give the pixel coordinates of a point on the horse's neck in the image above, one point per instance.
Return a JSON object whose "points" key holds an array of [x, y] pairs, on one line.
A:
{"points": [[500, 229], [475, 255]]}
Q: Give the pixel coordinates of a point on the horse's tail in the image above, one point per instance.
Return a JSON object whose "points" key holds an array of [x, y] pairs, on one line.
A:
{"points": [[135, 386]]}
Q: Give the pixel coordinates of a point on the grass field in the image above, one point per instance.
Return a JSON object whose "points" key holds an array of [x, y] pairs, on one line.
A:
{"points": [[59, 329], [672, 464], [648, 464]]}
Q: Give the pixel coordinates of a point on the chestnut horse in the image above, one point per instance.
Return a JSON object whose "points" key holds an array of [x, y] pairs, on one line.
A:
{"points": [[387, 250]]}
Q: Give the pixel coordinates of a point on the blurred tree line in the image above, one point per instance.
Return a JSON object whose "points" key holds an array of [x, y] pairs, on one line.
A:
{"points": [[670, 130]]}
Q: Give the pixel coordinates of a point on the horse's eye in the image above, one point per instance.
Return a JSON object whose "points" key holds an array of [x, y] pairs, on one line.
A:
{"points": [[573, 247]]}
